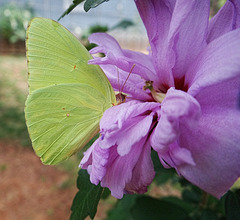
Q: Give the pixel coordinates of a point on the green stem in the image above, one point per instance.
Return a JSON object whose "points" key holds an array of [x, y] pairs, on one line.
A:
{"points": [[204, 200]]}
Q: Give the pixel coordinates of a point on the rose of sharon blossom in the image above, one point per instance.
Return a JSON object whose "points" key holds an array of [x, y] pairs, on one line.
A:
{"points": [[182, 100]]}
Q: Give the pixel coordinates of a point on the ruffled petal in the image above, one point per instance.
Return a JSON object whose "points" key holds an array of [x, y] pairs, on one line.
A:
{"points": [[227, 19], [132, 172], [176, 156], [134, 133], [122, 171], [121, 157], [132, 122], [143, 172], [180, 155], [177, 108], [123, 113], [217, 63], [87, 157], [100, 158], [123, 59]]}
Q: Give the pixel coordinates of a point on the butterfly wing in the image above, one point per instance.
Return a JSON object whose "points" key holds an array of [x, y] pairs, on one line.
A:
{"points": [[67, 97]]}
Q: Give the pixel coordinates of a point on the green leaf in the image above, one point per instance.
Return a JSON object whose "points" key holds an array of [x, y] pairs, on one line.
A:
{"points": [[87, 6], [121, 211], [86, 200], [232, 205], [209, 215], [74, 4], [191, 196], [217, 204], [123, 24], [92, 4], [150, 208], [179, 202]]}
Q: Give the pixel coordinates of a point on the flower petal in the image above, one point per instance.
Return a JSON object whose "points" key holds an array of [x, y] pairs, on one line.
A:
{"points": [[134, 133], [156, 16], [180, 155], [214, 144], [218, 62], [87, 157], [215, 149], [176, 156], [177, 108], [187, 33], [122, 171], [123, 59], [179, 29], [227, 19], [100, 158], [132, 85], [124, 112], [131, 122], [143, 172]]}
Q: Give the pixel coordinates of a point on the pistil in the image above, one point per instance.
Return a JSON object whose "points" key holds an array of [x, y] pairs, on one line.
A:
{"points": [[158, 96]]}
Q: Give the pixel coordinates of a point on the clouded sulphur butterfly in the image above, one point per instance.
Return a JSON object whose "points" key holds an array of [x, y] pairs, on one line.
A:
{"points": [[67, 96]]}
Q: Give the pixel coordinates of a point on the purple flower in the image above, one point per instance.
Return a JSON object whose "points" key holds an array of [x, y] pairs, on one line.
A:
{"points": [[188, 110]]}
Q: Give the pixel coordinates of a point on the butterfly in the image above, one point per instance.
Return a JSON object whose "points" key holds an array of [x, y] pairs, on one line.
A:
{"points": [[67, 96]]}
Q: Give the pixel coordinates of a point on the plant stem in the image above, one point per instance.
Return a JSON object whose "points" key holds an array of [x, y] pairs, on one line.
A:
{"points": [[204, 200]]}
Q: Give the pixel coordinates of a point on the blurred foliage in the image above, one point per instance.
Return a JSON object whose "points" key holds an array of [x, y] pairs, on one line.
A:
{"points": [[74, 4], [94, 29], [215, 6], [123, 24], [92, 4], [87, 5], [91, 30], [13, 125], [12, 98], [13, 22]]}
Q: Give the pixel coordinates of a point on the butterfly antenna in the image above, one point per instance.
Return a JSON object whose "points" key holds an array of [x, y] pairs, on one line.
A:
{"points": [[127, 77]]}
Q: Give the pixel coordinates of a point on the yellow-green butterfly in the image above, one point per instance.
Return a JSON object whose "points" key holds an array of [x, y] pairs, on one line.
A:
{"points": [[67, 96]]}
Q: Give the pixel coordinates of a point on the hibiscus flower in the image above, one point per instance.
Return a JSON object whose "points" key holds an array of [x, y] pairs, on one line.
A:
{"points": [[182, 100]]}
